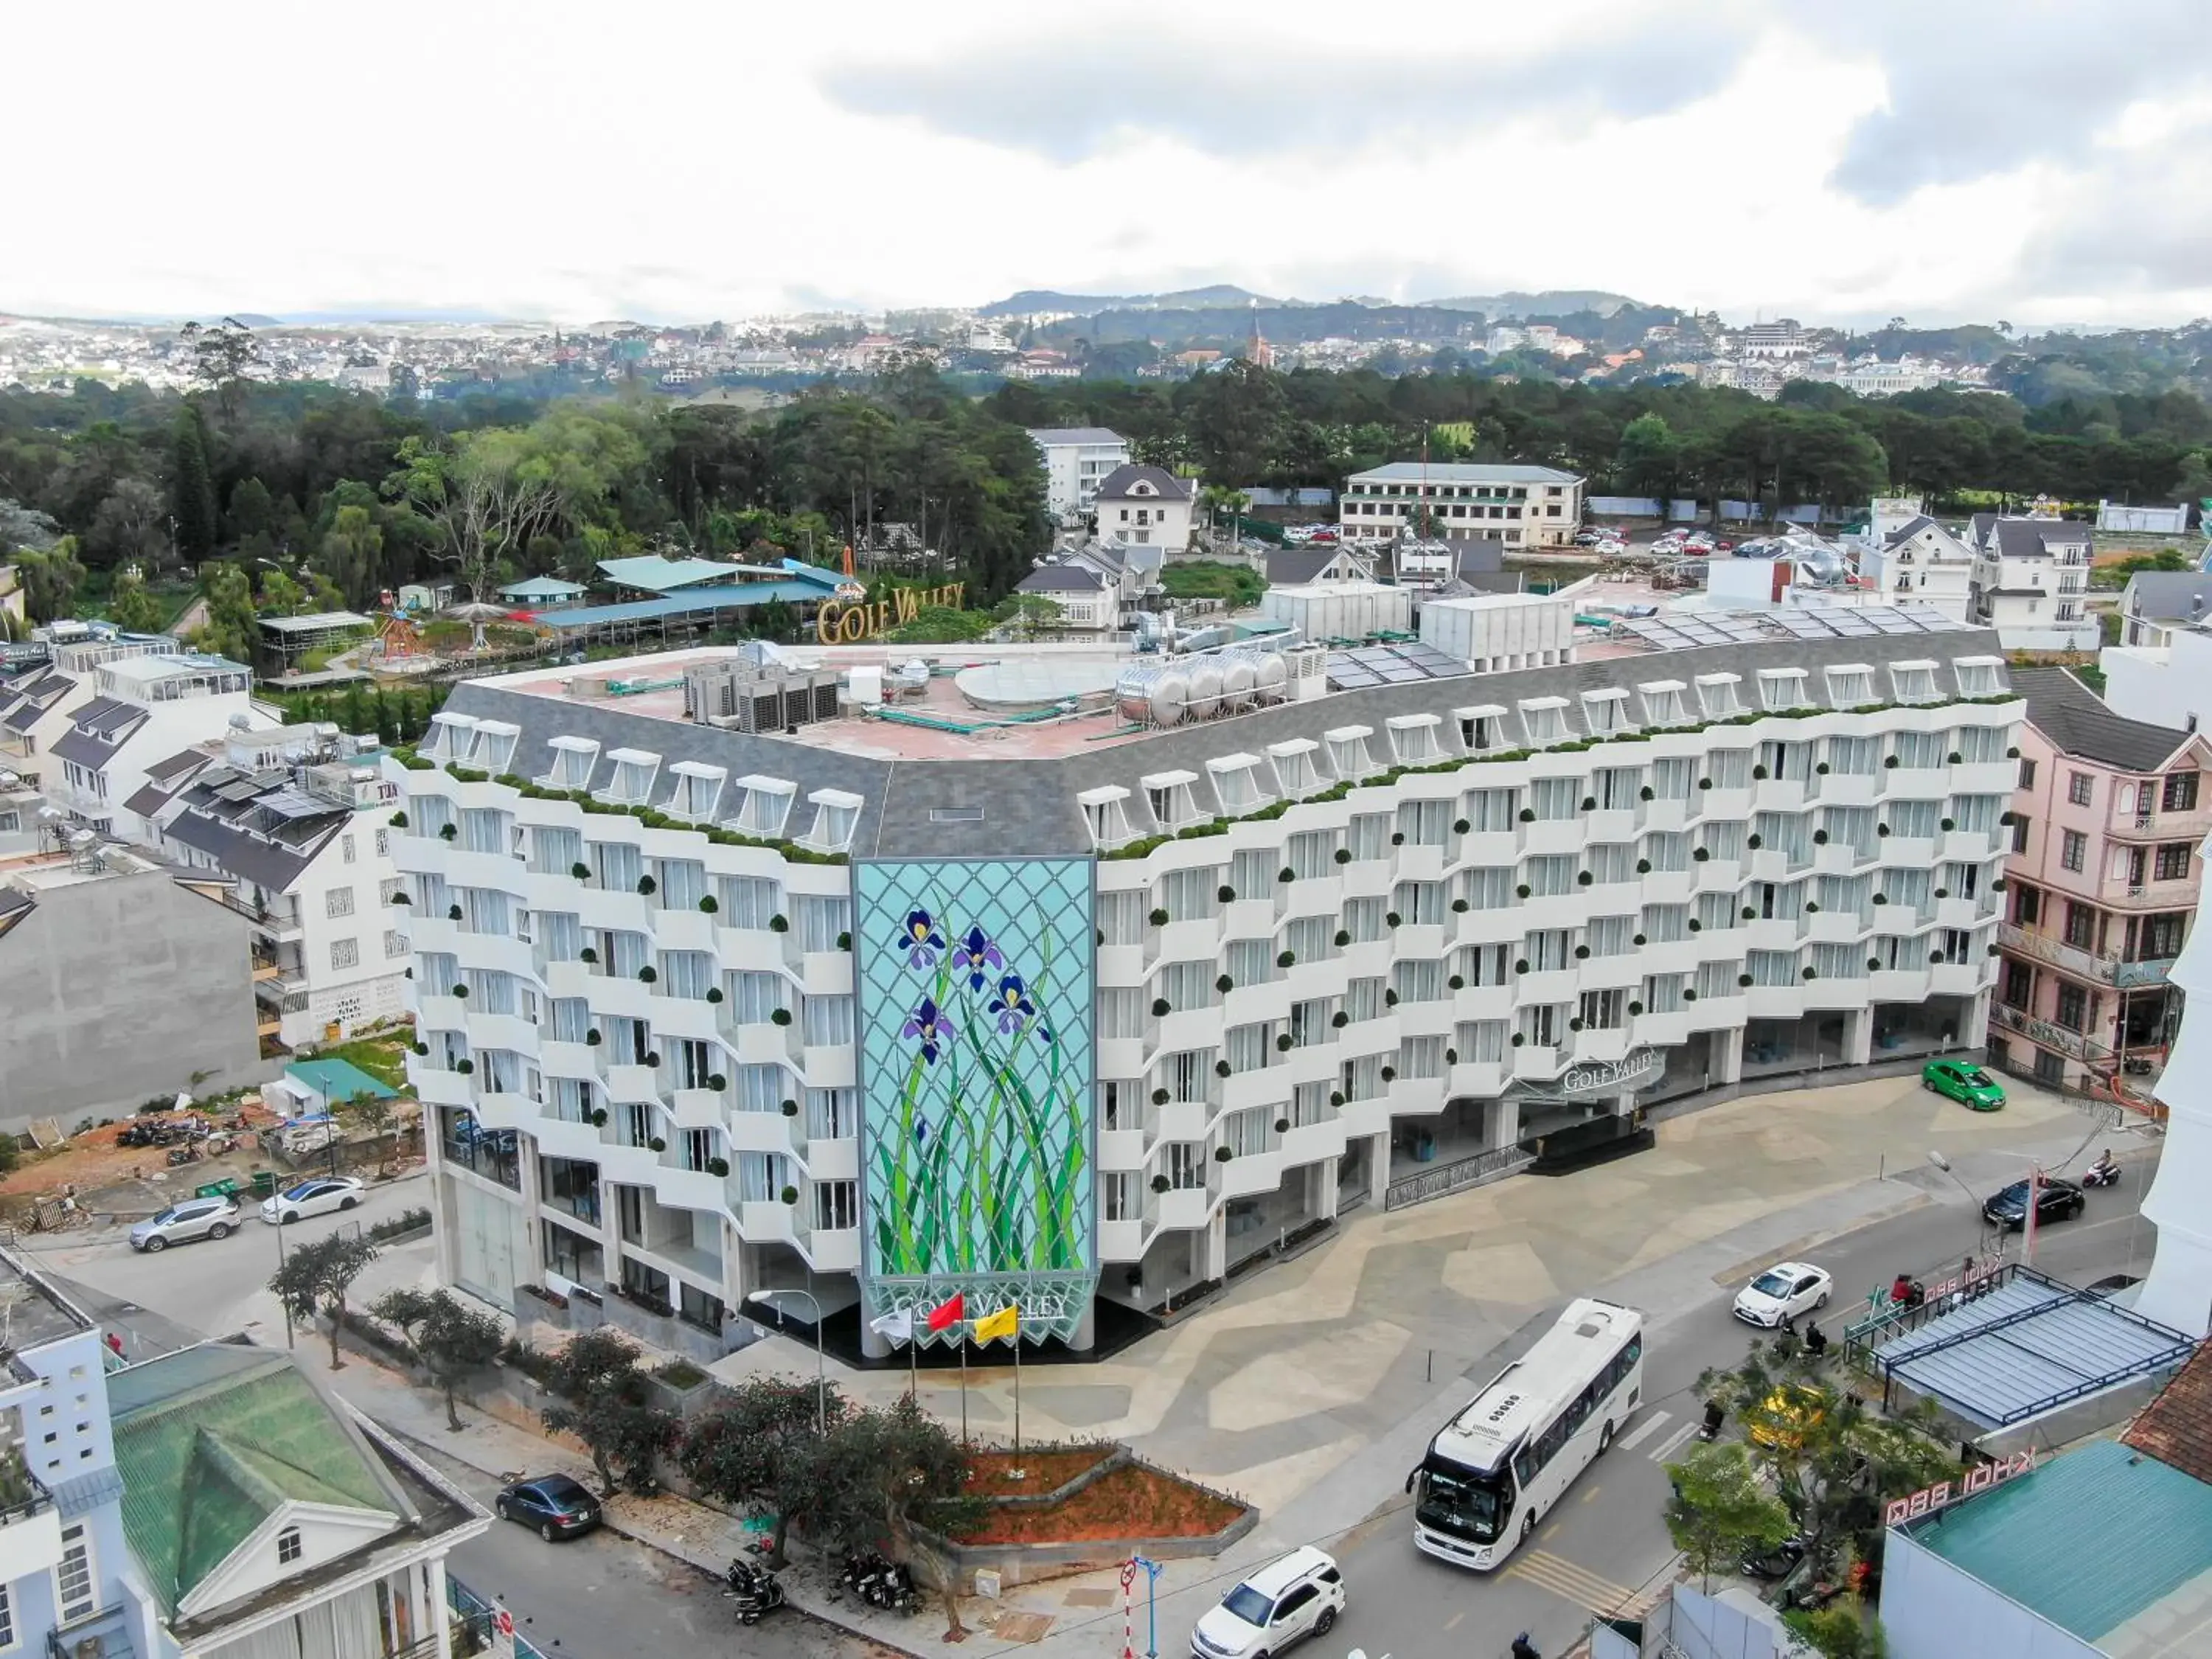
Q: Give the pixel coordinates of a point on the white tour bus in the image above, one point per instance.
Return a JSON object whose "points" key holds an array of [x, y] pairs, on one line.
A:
{"points": [[1505, 1461]]}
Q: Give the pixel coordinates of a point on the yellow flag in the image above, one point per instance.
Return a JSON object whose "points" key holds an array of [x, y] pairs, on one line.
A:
{"points": [[1007, 1321]]}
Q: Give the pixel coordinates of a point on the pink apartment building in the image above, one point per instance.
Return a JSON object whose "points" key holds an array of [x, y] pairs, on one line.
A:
{"points": [[2100, 888]]}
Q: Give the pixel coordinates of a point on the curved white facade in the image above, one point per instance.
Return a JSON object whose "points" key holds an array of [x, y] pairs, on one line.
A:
{"points": [[2177, 1292]]}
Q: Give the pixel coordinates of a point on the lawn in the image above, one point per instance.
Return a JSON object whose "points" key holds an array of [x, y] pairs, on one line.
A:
{"points": [[1129, 1502], [1211, 579], [378, 1056]]}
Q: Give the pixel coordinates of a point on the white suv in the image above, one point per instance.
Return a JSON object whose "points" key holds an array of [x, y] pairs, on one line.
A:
{"points": [[1300, 1595]]}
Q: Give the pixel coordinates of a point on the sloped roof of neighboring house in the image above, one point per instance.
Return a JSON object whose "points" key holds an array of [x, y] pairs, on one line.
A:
{"points": [[1121, 484], [37, 700], [655, 575], [102, 727], [1075, 434], [1061, 579], [2176, 1428], [212, 1441], [339, 1080], [2034, 539], [2077, 722], [2167, 595], [219, 804], [1908, 529], [1294, 567], [1468, 472]]}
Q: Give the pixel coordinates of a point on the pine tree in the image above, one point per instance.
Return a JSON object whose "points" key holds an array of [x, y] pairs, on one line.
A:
{"points": [[191, 491]]}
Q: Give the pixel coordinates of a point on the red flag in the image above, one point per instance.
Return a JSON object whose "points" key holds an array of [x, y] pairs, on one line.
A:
{"points": [[946, 1313]]}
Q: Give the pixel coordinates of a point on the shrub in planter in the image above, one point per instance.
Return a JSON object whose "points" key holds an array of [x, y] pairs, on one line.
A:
{"points": [[1936, 959], [1754, 842], [1343, 855], [1689, 996], [1524, 890], [653, 1061], [1339, 1020], [1750, 914], [709, 904], [1635, 1008], [1874, 964], [1282, 1041], [1575, 1024], [1881, 898], [1697, 926], [789, 1107], [1160, 1183], [780, 1017], [422, 1048], [1998, 886], [587, 954], [1589, 803], [1161, 1008], [844, 941], [1528, 815], [1392, 918], [1389, 1074], [1461, 826], [1704, 783], [599, 1117], [1645, 794], [1225, 894], [1822, 769], [580, 872], [648, 975], [1390, 998], [1336, 1097], [1457, 982], [1950, 824], [1702, 854], [1288, 959], [1812, 908], [718, 1166], [1158, 918], [1460, 907], [789, 1194], [1954, 757], [2013, 753], [1343, 937], [1890, 763], [778, 924], [464, 1067], [2005, 820], [1282, 1126], [452, 912], [1225, 985], [1743, 980], [1221, 1068], [1644, 866], [1519, 1038], [1222, 1155], [1810, 974], [1287, 874], [1160, 1096], [1942, 892], [656, 1145], [1819, 838], [1993, 950], [1584, 878], [1397, 838], [398, 820], [1582, 953], [647, 886], [448, 832], [1521, 964], [400, 897], [592, 1039], [1758, 772], [461, 990], [714, 993], [1638, 939], [1881, 829]]}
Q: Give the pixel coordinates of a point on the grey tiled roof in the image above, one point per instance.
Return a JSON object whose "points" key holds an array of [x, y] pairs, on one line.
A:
{"points": [[2034, 538], [2077, 722], [1075, 434], [1166, 487], [1294, 567], [1908, 529], [2167, 595], [1030, 804], [263, 863], [1061, 579]]}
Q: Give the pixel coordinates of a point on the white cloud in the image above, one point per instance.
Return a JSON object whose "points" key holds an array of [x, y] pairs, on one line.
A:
{"points": [[687, 161]]}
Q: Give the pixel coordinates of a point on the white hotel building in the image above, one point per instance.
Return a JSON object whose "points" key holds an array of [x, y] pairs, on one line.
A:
{"points": [[1364, 945], [1519, 506]]}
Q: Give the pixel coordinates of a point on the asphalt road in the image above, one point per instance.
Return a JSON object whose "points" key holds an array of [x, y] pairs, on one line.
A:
{"points": [[1605, 1543], [212, 1288], [602, 1596]]}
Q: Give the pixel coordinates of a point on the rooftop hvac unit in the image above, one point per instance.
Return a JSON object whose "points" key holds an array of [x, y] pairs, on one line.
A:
{"points": [[758, 697]]}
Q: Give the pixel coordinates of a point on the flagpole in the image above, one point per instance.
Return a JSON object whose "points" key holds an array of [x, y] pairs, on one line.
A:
{"points": [[963, 1384], [913, 1360], [1018, 1391]]}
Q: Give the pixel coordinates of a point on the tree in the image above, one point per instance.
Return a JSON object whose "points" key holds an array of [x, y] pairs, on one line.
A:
{"points": [[1648, 460], [760, 1450], [281, 596], [315, 1277], [1033, 614], [364, 1112], [600, 1398], [251, 512], [220, 356], [126, 526], [349, 554], [1839, 1632], [481, 499], [911, 1465], [1720, 1513], [451, 1338], [232, 628], [51, 579], [192, 489], [130, 607]]}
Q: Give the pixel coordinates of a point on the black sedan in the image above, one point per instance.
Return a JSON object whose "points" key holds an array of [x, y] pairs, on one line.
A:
{"points": [[556, 1506], [2056, 1201]]}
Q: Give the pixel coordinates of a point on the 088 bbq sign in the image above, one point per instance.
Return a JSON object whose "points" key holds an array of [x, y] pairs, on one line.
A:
{"points": [[1929, 1499]]}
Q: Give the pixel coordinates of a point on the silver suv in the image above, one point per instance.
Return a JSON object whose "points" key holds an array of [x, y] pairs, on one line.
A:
{"points": [[181, 1223]]}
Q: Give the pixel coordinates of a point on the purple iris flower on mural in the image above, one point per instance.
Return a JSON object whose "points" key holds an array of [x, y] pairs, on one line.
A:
{"points": [[921, 1134], [974, 956], [920, 940], [1012, 1005], [926, 1023]]}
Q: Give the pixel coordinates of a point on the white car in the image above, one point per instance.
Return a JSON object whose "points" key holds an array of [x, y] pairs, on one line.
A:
{"points": [[1784, 1292], [320, 1196], [1300, 1595]]}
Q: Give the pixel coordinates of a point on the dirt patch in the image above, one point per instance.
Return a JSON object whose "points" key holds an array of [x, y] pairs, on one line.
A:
{"points": [[93, 1165], [1130, 1502], [1022, 1626], [991, 1475]]}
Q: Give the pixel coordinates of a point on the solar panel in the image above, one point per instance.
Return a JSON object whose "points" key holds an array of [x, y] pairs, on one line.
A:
{"points": [[1799, 623]]}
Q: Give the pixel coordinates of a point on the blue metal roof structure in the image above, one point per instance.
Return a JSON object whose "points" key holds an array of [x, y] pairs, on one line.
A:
{"points": [[704, 602], [2025, 1345], [655, 575], [2089, 1540]]}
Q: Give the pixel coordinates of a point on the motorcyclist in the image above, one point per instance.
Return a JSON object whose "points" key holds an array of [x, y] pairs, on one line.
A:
{"points": [[1715, 1414], [1901, 1288], [1816, 1342], [2106, 1167], [1523, 1648]]}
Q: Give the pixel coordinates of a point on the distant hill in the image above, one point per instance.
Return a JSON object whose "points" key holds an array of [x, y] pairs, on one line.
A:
{"points": [[1551, 302], [1090, 305]]}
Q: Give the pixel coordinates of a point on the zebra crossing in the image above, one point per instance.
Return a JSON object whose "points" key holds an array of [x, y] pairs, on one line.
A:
{"points": [[1652, 1423], [1578, 1584]]}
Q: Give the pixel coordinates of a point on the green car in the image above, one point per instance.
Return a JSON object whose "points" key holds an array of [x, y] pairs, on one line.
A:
{"points": [[1970, 1085]]}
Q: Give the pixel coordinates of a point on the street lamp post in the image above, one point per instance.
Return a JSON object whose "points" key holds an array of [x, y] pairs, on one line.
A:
{"points": [[821, 1380]]}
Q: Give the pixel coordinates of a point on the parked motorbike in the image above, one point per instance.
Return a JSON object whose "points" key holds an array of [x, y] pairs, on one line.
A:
{"points": [[1777, 1563], [179, 1156], [754, 1589]]}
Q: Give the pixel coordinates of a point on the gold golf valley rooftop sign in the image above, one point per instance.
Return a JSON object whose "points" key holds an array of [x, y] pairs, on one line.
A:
{"points": [[848, 624]]}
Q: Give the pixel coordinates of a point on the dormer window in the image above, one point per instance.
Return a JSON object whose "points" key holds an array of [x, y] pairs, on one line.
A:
{"points": [[1606, 713], [1237, 782], [1783, 688], [1481, 728], [1414, 738], [1662, 704], [763, 806], [1851, 685], [495, 746], [1347, 752], [288, 1547], [1979, 677], [1720, 695], [633, 780], [449, 737], [1106, 815], [1168, 795], [1915, 681], [1545, 719], [573, 761], [1296, 774], [836, 816], [698, 789]]}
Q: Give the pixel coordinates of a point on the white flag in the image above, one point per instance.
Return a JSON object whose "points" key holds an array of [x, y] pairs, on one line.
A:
{"points": [[897, 1325]]}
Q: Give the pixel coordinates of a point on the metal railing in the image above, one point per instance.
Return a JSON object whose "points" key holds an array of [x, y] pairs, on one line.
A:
{"points": [[1456, 1176]]}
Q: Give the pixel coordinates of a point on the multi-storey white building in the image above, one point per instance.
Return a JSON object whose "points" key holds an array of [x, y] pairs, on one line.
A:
{"points": [[39, 708], [2030, 582], [144, 709], [1517, 506], [1147, 505], [1098, 1013], [1907, 558], [1077, 460], [292, 822]]}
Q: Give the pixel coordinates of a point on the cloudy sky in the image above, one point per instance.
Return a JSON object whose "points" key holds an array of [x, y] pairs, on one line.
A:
{"points": [[2036, 160]]}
